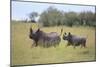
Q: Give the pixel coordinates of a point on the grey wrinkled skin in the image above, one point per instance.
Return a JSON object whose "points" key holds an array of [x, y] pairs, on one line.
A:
{"points": [[74, 40], [46, 39]]}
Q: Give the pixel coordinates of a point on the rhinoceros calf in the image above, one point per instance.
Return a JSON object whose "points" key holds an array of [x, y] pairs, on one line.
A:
{"points": [[74, 40]]}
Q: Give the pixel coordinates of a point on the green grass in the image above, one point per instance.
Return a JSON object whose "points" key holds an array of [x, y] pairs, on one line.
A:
{"points": [[23, 54]]}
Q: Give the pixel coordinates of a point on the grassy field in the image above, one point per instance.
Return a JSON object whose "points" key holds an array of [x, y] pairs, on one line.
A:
{"points": [[23, 54]]}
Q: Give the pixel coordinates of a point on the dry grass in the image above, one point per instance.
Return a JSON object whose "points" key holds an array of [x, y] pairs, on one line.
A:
{"points": [[23, 54]]}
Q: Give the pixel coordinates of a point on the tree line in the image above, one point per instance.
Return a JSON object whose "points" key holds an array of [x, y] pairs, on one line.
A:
{"points": [[53, 17]]}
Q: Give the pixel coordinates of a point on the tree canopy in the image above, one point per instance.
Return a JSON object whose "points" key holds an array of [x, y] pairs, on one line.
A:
{"points": [[54, 17]]}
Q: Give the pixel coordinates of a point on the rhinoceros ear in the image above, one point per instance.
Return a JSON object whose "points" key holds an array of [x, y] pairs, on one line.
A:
{"points": [[69, 33], [31, 30], [38, 30], [65, 33]]}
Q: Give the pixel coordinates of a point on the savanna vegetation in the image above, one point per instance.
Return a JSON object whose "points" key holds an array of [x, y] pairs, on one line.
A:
{"points": [[53, 20], [54, 17], [23, 54]]}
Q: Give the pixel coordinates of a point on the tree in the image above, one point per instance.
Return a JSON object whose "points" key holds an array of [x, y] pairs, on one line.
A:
{"points": [[32, 16], [87, 18], [70, 18], [54, 17], [51, 17], [44, 19]]}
